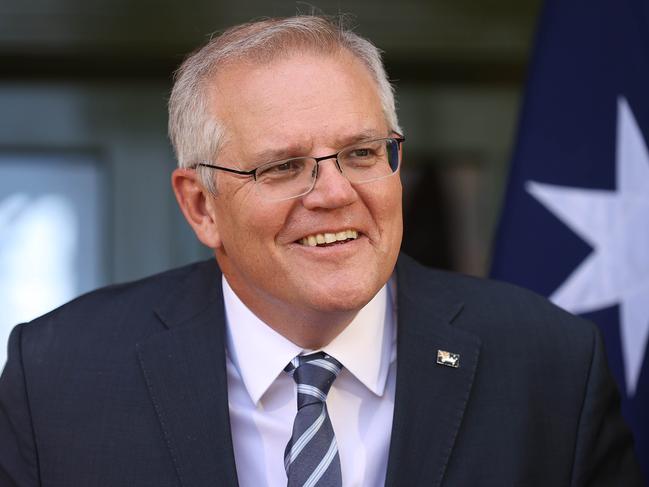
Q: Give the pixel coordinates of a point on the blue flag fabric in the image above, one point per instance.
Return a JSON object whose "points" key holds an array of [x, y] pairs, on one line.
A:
{"points": [[575, 220]]}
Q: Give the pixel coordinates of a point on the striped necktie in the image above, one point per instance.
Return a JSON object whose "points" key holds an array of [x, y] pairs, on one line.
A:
{"points": [[311, 456]]}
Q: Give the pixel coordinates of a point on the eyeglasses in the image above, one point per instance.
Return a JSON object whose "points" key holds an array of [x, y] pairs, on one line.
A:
{"points": [[360, 163]]}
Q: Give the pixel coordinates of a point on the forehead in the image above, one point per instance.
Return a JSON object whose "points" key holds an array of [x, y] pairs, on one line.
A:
{"points": [[303, 100]]}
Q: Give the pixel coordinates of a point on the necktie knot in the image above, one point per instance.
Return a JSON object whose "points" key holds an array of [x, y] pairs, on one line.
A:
{"points": [[313, 374]]}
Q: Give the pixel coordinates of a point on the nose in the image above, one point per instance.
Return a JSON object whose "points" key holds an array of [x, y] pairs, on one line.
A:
{"points": [[331, 189]]}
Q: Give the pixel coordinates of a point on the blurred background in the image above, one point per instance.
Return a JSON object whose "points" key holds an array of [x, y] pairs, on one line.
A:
{"points": [[85, 162]]}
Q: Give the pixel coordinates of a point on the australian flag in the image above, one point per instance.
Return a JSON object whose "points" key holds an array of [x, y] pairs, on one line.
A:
{"points": [[575, 220]]}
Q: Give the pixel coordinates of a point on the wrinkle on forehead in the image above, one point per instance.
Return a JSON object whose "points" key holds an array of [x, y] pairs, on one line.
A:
{"points": [[264, 104]]}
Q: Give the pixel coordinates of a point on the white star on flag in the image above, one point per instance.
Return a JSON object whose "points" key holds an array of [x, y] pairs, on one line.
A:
{"points": [[616, 225]]}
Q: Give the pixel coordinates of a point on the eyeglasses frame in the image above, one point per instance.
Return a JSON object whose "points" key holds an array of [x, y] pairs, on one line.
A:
{"points": [[253, 172]]}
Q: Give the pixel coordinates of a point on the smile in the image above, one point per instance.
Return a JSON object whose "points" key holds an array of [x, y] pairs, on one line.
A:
{"points": [[328, 238]]}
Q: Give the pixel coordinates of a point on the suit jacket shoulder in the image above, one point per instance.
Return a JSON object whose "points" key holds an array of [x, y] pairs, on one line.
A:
{"points": [[97, 391], [490, 307], [102, 311]]}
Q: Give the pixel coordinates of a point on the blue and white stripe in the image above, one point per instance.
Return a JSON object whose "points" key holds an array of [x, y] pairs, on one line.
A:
{"points": [[304, 440], [324, 465], [311, 391], [325, 365]]}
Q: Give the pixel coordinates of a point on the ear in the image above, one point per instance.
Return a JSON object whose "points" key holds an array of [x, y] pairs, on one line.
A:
{"points": [[197, 204]]}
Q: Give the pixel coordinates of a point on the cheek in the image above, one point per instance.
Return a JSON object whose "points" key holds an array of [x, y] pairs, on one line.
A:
{"points": [[389, 219], [251, 224], [386, 207]]}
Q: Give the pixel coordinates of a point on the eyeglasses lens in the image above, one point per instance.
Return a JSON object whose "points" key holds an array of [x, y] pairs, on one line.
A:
{"points": [[287, 179]]}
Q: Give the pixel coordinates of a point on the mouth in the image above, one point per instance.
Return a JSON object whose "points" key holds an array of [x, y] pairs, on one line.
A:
{"points": [[328, 239]]}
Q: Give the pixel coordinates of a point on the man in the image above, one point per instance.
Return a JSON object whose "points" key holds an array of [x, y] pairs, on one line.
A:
{"points": [[305, 356]]}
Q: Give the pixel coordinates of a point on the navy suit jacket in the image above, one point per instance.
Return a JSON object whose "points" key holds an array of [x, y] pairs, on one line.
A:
{"points": [[126, 386]]}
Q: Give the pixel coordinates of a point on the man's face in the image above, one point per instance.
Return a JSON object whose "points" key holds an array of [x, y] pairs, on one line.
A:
{"points": [[302, 105]]}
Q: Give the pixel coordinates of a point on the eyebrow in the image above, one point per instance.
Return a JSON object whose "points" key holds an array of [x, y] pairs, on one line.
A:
{"points": [[359, 137], [271, 155]]}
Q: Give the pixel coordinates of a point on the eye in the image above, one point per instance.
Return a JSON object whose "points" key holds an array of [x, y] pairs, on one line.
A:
{"points": [[282, 169], [364, 156], [361, 152]]}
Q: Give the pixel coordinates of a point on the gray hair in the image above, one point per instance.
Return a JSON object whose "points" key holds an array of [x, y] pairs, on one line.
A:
{"points": [[195, 132]]}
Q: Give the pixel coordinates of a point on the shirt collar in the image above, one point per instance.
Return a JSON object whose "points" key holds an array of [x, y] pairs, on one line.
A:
{"points": [[260, 354]]}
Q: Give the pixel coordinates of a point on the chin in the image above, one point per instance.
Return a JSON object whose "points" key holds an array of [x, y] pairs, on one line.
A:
{"points": [[343, 297]]}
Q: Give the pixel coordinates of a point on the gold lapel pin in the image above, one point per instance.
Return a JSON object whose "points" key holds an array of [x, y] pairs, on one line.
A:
{"points": [[449, 359]]}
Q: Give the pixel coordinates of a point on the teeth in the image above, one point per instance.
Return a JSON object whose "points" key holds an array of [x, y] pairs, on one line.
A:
{"points": [[321, 238]]}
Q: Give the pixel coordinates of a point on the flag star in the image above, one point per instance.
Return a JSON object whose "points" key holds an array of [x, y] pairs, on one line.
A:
{"points": [[616, 225]]}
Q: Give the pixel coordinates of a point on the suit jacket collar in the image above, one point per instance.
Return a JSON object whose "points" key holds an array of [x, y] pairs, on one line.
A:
{"points": [[185, 372]]}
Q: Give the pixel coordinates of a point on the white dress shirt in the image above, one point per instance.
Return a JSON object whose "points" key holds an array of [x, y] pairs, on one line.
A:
{"points": [[263, 398]]}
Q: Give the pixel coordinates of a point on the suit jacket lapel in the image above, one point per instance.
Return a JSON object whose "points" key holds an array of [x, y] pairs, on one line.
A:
{"points": [[185, 372], [430, 399]]}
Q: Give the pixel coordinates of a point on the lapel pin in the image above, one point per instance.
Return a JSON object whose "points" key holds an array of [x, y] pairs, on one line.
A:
{"points": [[449, 359]]}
